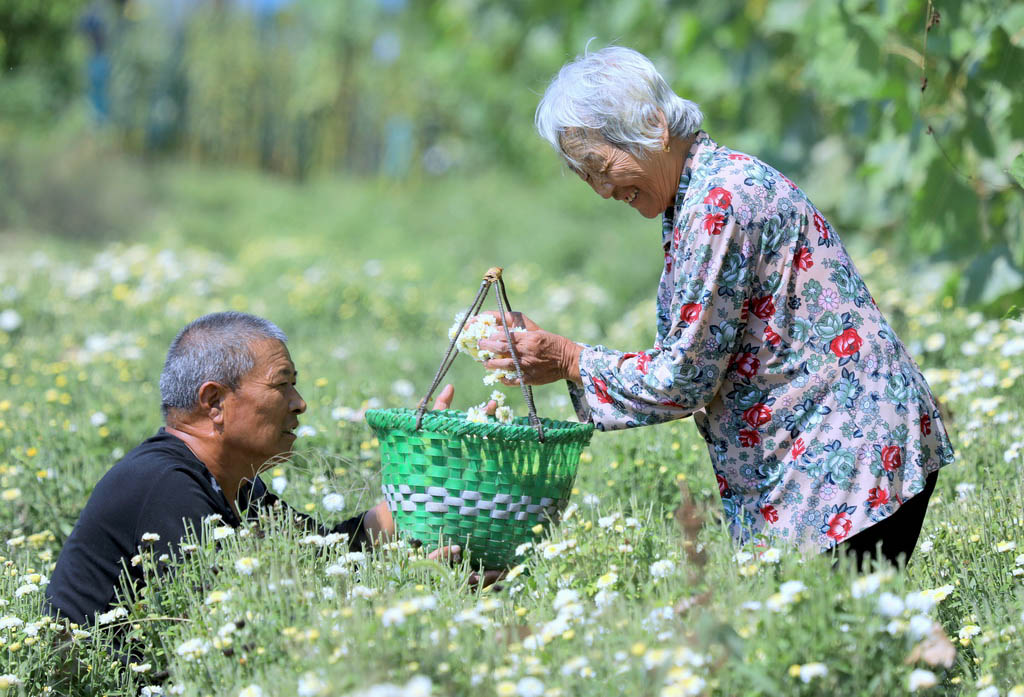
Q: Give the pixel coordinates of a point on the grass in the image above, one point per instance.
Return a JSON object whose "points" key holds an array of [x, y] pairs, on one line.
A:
{"points": [[637, 592]]}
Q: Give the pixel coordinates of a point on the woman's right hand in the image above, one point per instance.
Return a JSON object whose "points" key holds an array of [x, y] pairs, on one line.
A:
{"points": [[544, 357]]}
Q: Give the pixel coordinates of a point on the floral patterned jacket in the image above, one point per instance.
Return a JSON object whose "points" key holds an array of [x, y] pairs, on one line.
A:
{"points": [[818, 421]]}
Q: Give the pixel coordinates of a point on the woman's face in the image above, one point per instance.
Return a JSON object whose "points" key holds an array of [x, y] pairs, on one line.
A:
{"points": [[648, 185]]}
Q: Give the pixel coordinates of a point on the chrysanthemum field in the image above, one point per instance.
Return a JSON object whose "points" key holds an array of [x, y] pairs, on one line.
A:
{"points": [[639, 591]]}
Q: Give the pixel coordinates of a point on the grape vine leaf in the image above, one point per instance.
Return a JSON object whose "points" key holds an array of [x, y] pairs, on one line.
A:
{"points": [[1017, 170]]}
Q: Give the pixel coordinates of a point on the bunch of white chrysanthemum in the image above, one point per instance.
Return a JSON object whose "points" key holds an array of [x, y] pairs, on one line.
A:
{"points": [[478, 413], [480, 327]]}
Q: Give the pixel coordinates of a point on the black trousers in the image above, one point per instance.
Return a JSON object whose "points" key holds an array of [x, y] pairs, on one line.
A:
{"points": [[895, 537]]}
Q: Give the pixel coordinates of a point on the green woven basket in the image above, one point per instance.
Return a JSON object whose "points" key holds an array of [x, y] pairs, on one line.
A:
{"points": [[480, 485]]}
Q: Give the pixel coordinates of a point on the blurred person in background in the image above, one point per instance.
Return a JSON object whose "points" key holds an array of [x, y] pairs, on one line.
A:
{"points": [[231, 410], [821, 428]]}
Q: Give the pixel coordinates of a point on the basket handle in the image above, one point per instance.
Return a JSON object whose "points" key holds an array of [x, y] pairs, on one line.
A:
{"points": [[492, 277]]}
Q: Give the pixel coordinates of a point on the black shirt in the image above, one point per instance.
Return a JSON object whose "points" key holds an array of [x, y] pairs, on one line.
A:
{"points": [[155, 488]]}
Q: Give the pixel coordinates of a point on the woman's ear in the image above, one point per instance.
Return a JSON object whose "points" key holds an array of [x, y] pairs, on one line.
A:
{"points": [[662, 124], [211, 401]]}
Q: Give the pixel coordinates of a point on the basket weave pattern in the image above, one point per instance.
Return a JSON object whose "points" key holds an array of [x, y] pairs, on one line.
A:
{"points": [[481, 485]]}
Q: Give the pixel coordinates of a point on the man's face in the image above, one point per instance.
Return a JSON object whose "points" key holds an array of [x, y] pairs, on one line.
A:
{"points": [[260, 417]]}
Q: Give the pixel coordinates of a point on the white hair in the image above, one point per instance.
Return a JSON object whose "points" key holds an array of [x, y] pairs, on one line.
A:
{"points": [[616, 92], [215, 347]]}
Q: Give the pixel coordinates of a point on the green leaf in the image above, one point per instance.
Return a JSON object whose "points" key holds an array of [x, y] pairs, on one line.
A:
{"points": [[1017, 170]]}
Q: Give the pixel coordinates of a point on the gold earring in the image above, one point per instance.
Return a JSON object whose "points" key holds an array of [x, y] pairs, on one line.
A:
{"points": [[668, 148]]}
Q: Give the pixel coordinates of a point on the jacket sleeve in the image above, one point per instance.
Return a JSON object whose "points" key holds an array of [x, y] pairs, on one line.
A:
{"points": [[702, 319]]}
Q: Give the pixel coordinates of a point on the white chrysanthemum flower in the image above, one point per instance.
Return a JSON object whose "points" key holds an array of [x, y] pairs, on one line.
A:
{"points": [[809, 671], [476, 414], [504, 414], [246, 565], [360, 591], [217, 597], [193, 649], [279, 484], [920, 626], [333, 502], [9, 321], [865, 585], [251, 691], [564, 597], [792, 589], [150, 537], [310, 685], [890, 605], [98, 419], [151, 690], [418, 686], [140, 667], [499, 397], [604, 598], [921, 679], [772, 555], [523, 548], [968, 631], [336, 570], [529, 687], [9, 680], [662, 568], [111, 615], [219, 533], [607, 580], [10, 622], [26, 589]]}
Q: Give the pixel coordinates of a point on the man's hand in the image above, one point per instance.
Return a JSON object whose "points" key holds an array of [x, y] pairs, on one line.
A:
{"points": [[544, 357], [444, 401], [453, 554]]}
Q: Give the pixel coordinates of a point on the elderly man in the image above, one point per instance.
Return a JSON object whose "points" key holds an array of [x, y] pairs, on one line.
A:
{"points": [[230, 406]]}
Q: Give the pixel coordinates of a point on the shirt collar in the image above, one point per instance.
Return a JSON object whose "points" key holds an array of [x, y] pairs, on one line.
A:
{"points": [[671, 214]]}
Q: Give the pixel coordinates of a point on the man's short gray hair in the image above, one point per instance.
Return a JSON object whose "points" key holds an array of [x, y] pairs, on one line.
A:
{"points": [[617, 92], [213, 348]]}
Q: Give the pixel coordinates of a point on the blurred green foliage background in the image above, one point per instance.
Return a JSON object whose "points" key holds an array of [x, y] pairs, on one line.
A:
{"points": [[903, 120]]}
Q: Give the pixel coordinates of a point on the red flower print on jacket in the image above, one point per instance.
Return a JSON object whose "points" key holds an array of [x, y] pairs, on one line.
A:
{"points": [[839, 526], [601, 391], [820, 225], [877, 497], [799, 448], [847, 343], [746, 364], [719, 198], [892, 459], [749, 438], [713, 223], [763, 307], [802, 259], [769, 513], [643, 361], [926, 424], [690, 312], [758, 415], [771, 337], [723, 487]]}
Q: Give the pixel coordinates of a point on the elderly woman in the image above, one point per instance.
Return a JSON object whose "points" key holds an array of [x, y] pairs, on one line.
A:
{"points": [[821, 429]]}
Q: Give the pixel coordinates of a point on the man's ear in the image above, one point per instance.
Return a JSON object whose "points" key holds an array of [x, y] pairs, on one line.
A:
{"points": [[211, 401]]}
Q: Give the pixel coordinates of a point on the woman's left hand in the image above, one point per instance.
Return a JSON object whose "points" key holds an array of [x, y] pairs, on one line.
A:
{"points": [[544, 357]]}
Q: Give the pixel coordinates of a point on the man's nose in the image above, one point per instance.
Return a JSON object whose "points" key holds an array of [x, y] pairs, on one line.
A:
{"points": [[298, 404]]}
